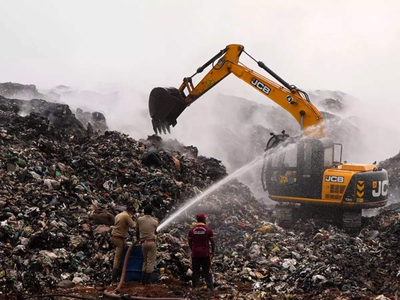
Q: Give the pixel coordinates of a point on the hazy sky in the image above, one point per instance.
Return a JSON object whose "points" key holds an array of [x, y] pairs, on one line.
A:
{"points": [[352, 46]]}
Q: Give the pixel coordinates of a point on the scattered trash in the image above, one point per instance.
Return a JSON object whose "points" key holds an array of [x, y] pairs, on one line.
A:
{"points": [[60, 190]]}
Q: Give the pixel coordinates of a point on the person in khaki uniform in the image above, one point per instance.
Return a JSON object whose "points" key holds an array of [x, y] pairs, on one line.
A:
{"points": [[122, 223], [146, 232]]}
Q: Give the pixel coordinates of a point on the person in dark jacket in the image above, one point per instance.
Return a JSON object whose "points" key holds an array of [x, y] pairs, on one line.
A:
{"points": [[200, 238]]}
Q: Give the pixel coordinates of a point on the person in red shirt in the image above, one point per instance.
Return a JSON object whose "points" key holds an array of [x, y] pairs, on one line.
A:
{"points": [[200, 238]]}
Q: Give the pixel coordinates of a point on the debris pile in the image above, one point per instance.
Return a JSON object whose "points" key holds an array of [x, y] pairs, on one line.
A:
{"points": [[96, 118], [25, 92], [310, 259], [60, 189], [41, 114], [392, 166]]}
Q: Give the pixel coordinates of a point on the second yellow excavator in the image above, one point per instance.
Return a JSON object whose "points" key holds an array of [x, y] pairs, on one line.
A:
{"points": [[307, 170]]}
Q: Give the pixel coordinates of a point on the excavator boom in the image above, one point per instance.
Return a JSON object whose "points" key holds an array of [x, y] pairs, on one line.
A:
{"points": [[166, 104]]}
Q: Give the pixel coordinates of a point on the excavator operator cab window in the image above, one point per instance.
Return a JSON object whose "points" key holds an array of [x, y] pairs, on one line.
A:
{"points": [[307, 160], [282, 166], [328, 158], [276, 160], [332, 155], [290, 157], [337, 154]]}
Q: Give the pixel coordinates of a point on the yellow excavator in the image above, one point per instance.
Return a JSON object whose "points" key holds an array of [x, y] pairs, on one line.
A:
{"points": [[303, 174]]}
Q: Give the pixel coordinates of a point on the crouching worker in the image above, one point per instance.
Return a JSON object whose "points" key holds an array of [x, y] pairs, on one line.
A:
{"points": [[122, 223], [146, 232], [200, 238]]}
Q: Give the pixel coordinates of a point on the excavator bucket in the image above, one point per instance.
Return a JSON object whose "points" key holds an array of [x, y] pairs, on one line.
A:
{"points": [[165, 106]]}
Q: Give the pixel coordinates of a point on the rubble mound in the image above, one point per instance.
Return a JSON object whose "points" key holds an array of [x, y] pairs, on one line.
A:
{"points": [[95, 120], [334, 105], [61, 188], [25, 92], [30, 119], [392, 166], [55, 179], [312, 259]]}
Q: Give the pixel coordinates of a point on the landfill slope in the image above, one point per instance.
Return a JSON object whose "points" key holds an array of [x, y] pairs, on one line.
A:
{"points": [[25, 92], [62, 185], [392, 165]]}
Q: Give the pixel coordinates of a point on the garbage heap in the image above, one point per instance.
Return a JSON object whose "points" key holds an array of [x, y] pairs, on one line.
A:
{"points": [[392, 166], [25, 92], [45, 114], [311, 259], [60, 189]]}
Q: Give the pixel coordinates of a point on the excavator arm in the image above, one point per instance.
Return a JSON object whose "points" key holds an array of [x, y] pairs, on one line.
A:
{"points": [[315, 178], [166, 104]]}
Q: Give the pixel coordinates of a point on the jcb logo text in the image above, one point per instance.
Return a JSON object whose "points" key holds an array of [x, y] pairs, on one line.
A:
{"points": [[380, 188], [261, 86], [330, 178]]}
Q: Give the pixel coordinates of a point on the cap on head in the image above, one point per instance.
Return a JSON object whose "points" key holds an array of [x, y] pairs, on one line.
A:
{"points": [[130, 208], [148, 210], [201, 217]]}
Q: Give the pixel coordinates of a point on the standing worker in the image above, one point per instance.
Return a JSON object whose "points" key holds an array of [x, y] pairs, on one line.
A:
{"points": [[146, 232], [200, 237], [123, 221]]}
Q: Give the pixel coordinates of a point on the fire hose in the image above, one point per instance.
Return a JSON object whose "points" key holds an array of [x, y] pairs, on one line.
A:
{"points": [[114, 296]]}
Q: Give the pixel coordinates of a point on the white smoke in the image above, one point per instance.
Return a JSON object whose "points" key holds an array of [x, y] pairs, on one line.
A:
{"points": [[235, 130]]}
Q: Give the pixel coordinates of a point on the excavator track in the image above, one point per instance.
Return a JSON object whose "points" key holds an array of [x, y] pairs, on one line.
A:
{"points": [[286, 214]]}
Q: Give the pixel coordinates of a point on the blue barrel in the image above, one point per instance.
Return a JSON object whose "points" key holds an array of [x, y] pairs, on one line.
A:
{"points": [[135, 263]]}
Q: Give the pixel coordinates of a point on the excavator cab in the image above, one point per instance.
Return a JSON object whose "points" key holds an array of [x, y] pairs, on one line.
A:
{"points": [[294, 168], [165, 106], [309, 171]]}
